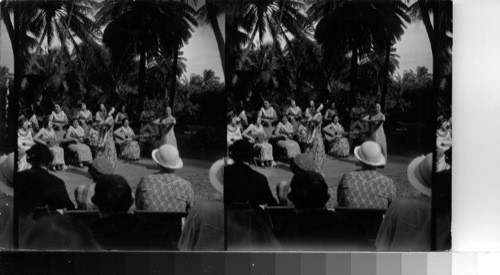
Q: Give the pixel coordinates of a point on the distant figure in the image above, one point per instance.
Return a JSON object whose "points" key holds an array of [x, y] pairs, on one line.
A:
{"points": [[366, 188], [58, 118], [356, 111], [24, 143], [233, 131], [166, 125], [118, 229], [288, 148], [204, 227], [121, 116], [106, 143], [359, 130], [335, 137], [149, 138], [165, 191], [315, 227], [315, 145], [84, 116], [84, 193], [330, 114], [267, 114], [47, 136], [407, 223], [125, 138], [376, 121], [294, 112], [255, 134], [59, 232], [54, 193], [101, 114], [146, 114], [242, 183], [76, 136]]}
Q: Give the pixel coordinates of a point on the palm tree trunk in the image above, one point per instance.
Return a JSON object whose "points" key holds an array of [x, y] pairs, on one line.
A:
{"points": [[385, 76], [8, 25], [142, 75], [219, 38], [354, 74], [174, 78]]}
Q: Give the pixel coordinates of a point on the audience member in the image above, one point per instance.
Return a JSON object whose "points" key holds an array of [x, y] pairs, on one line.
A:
{"points": [[57, 232], [84, 193], [165, 191], [407, 223], [366, 188], [300, 163], [242, 183], [315, 227], [54, 194], [118, 229], [204, 227]]}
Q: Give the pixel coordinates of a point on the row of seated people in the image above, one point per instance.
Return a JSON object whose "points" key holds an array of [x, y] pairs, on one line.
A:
{"points": [[81, 143], [406, 222], [290, 139], [110, 194]]}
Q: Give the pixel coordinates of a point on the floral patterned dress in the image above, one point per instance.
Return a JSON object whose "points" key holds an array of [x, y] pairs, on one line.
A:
{"points": [[289, 148], [106, 144], [262, 148], [24, 143], [130, 149], [316, 147], [80, 151], [339, 145], [85, 117]]}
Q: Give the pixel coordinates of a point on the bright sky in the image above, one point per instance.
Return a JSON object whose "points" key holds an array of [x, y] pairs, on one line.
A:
{"points": [[202, 52]]}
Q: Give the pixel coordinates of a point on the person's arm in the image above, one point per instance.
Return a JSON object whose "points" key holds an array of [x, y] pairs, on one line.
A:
{"points": [[246, 134], [64, 120], [37, 138]]}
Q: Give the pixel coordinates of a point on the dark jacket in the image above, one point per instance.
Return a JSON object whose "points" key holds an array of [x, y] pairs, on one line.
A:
{"points": [[243, 184], [54, 193]]}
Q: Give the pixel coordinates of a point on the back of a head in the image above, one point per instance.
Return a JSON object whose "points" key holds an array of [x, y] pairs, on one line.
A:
{"points": [[28, 193], [308, 191], [59, 232], [39, 154], [100, 166], [241, 150], [112, 194]]}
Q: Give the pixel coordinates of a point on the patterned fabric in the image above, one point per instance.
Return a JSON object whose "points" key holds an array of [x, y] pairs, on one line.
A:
{"points": [[167, 131], [81, 152], [148, 139], [49, 137], [58, 118], [365, 189], [83, 197], [289, 148], [233, 134], [108, 151], [130, 150], [354, 114], [317, 147], [339, 147], [164, 192]]}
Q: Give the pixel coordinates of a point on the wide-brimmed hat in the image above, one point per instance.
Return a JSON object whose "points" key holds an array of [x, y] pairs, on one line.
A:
{"points": [[216, 174], [7, 174], [167, 156], [420, 174], [370, 153]]}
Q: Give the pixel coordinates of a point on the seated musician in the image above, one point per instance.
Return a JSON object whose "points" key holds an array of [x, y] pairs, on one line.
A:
{"points": [[335, 137], [255, 134], [267, 114], [125, 138]]}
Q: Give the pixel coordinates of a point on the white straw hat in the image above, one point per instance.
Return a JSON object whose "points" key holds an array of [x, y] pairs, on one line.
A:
{"points": [[420, 174], [167, 156], [370, 153], [216, 174]]}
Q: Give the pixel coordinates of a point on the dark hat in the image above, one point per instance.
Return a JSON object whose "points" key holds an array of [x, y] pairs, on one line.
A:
{"points": [[302, 162], [112, 194], [241, 150], [39, 154], [100, 166], [308, 190]]}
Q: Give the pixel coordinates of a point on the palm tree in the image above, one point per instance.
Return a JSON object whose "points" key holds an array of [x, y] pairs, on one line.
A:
{"points": [[208, 14], [393, 20], [345, 27], [146, 29]]}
